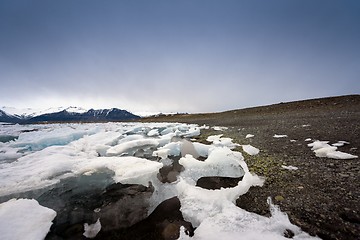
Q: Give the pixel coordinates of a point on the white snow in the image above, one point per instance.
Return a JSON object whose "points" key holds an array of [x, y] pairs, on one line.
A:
{"points": [[91, 230], [323, 149], [308, 140], [250, 150], [24, 219], [280, 136]]}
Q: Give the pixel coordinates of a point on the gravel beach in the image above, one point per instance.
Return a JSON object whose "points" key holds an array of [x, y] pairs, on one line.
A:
{"points": [[323, 195]]}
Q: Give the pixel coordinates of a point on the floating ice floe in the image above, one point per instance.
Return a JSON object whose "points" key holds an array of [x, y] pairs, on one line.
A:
{"points": [[280, 136], [250, 150], [24, 219], [308, 140], [323, 149], [289, 167]]}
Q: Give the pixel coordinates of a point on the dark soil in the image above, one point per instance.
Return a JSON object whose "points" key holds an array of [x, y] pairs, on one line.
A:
{"points": [[323, 195]]}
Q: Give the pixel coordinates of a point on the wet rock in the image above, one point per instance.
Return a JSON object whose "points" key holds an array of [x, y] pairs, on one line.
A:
{"points": [[168, 174], [163, 223], [117, 206], [288, 233], [217, 182]]}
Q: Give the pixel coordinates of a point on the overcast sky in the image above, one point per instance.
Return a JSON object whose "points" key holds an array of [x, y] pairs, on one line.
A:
{"points": [[176, 56]]}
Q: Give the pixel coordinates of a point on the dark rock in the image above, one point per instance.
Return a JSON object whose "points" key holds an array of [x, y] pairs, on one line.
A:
{"points": [[217, 182], [168, 174], [163, 223], [86, 198], [288, 233]]}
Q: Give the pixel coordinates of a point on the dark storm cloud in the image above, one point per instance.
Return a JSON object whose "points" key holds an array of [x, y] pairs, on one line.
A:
{"points": [[177, 55]]}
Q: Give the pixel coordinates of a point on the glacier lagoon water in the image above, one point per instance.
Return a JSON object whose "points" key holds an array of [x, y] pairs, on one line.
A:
{"points": [[59, 163]]}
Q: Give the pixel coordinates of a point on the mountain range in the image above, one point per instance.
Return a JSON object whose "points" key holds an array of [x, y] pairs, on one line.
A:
{"points": [[61, 114]]}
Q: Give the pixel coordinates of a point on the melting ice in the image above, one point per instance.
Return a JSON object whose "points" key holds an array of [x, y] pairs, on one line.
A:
{"points": [[41, 156]]}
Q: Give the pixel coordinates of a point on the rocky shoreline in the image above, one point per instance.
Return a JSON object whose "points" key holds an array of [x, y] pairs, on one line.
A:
{"points": [[323, 195]]}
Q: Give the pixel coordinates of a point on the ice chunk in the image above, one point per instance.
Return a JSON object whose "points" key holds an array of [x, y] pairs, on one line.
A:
{"points": [[165, 139], [48, 166], [249, 136], [193, 132], [280, 136], [250, 150], [187, 147], [308, 140], [318, 144], [128, 170], [202, 149], [330, 152], [61, 135], [214, 138], [170, 149], [323, 149], [153, 132], [24, 219], [235, 223], [90, 231], [130, 146], [289, 167], [221, 162], [217, 128], [9, 153], [340, 143], [198, 204], [219, 141]]}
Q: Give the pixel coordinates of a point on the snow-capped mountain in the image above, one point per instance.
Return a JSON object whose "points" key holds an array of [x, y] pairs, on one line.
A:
{"points": [[26, 113], [5, 117], [63, 114]]}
